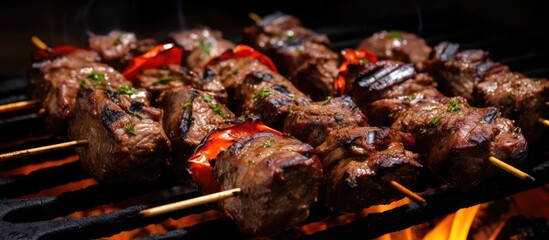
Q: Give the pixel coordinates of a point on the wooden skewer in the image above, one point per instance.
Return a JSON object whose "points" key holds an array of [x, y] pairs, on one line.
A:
{"points": [[409, 193], [543, 122], [214, 197], [254, 17], [19, 106], [38, 43], [44, 149], [510, 169]]}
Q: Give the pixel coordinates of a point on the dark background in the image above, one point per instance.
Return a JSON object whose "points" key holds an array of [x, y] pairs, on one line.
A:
{"points": [[58, 22]]}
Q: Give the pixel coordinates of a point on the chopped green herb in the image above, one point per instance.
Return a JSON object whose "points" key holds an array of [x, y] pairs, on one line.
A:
{"points": [[511, 96], [234, 72], [268, 143], [207, 97], [126, 90], [290, 36], [413, 96], [327, 100], [453, 105], [163, 80], [83, 84], [391, 114], [363, 60], [451, 126], [117, 41], [435, 121], [98, 78], [219, 111], [205, 45], [130, 130], [263, 93], [186, 105], [394, 35]]}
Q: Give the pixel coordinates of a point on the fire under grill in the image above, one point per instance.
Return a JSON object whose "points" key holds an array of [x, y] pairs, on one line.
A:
{"points": [[25, 216]]}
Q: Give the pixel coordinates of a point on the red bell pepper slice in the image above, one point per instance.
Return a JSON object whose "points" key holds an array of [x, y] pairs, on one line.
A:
{"points": [[351, 56], [161, 55], [243, 51], [216, 142], [49, 53]]}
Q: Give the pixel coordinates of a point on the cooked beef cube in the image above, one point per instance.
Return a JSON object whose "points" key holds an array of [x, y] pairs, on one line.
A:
{"points": [[190, 115], [126, 139], [398, 45], [118, 48], [517, 97], [311, 123], [86, 55], [57, 82], [359, 164], [279, 178], [268, 96], [202, 45], [458, 72]]}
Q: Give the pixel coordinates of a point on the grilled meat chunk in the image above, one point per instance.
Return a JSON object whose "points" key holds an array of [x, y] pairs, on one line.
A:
{"points": [[190, 115], [359, 164], [126, 139], [57, 82], [268, 96], [279, 177], [453, 137], [202, 45], [118, 48], [312, 123], [399, 46]]}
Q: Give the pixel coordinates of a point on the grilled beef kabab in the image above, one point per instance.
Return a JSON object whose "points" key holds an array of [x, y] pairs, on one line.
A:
{"points": [[201, 45], [118, 48]]}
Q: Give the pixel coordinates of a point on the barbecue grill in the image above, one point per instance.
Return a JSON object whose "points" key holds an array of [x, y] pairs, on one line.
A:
{"points": [[23, 217]]}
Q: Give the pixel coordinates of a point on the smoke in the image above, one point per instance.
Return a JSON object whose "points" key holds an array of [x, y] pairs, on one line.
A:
{"points": [[181, 15]]}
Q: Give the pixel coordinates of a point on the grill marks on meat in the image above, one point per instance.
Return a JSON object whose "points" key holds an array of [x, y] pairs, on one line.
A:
{"points": [[57, 82], [268, 96], [455, 139], [202, 45], [279, 177], [472, 74], [127, 142], [312, 123], [118, 48], [360, 162], [299, 53], [192, 114]]}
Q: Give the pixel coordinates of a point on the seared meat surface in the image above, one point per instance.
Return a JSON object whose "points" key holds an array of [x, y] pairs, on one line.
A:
{"points": [[190, 115], [118, 48], [360, 162], [455, 139], [312, 123], [126, 139], [279, 177], [201, 44], [268, 96], [57, 82]]}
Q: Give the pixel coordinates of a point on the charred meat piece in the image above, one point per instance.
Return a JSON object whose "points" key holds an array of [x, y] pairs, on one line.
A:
{"points": [[190, 115], [312, 123], [459, 71], [398, 45], [359, 164], [453, 137], [118, 48], [268, 96], [126, 139], [279, 177], [517, 97], [57, 82], [202, 45]]}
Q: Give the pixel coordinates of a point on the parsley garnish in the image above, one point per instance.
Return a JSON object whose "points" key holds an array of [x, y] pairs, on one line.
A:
{"points": [[414, 96], [126, 90], [327, 100], [263, 93], [234, 72], [83, 84], [117, 41], [453, 106], [205, 45], [391, 114], [394, 35], [163, 80], [207, 97], [268, 143], [510, 96], [186, 105], [217, 110], [290, 36], [98, 78], [130, 130], [435, 121]]}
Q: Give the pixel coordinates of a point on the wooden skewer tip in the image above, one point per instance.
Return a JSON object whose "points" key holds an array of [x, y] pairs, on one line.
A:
{"points": [[510, 169], [19, 106], [409, 193], [38, 43], [543, 122], [43, 149], [214, 197], [254, 17]]}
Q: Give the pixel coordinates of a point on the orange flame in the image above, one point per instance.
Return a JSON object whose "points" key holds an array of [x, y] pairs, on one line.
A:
{"points": [[455, 226]]}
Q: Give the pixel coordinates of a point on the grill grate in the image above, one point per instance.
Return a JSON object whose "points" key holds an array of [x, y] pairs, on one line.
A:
{"points": [[42, 218]]}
